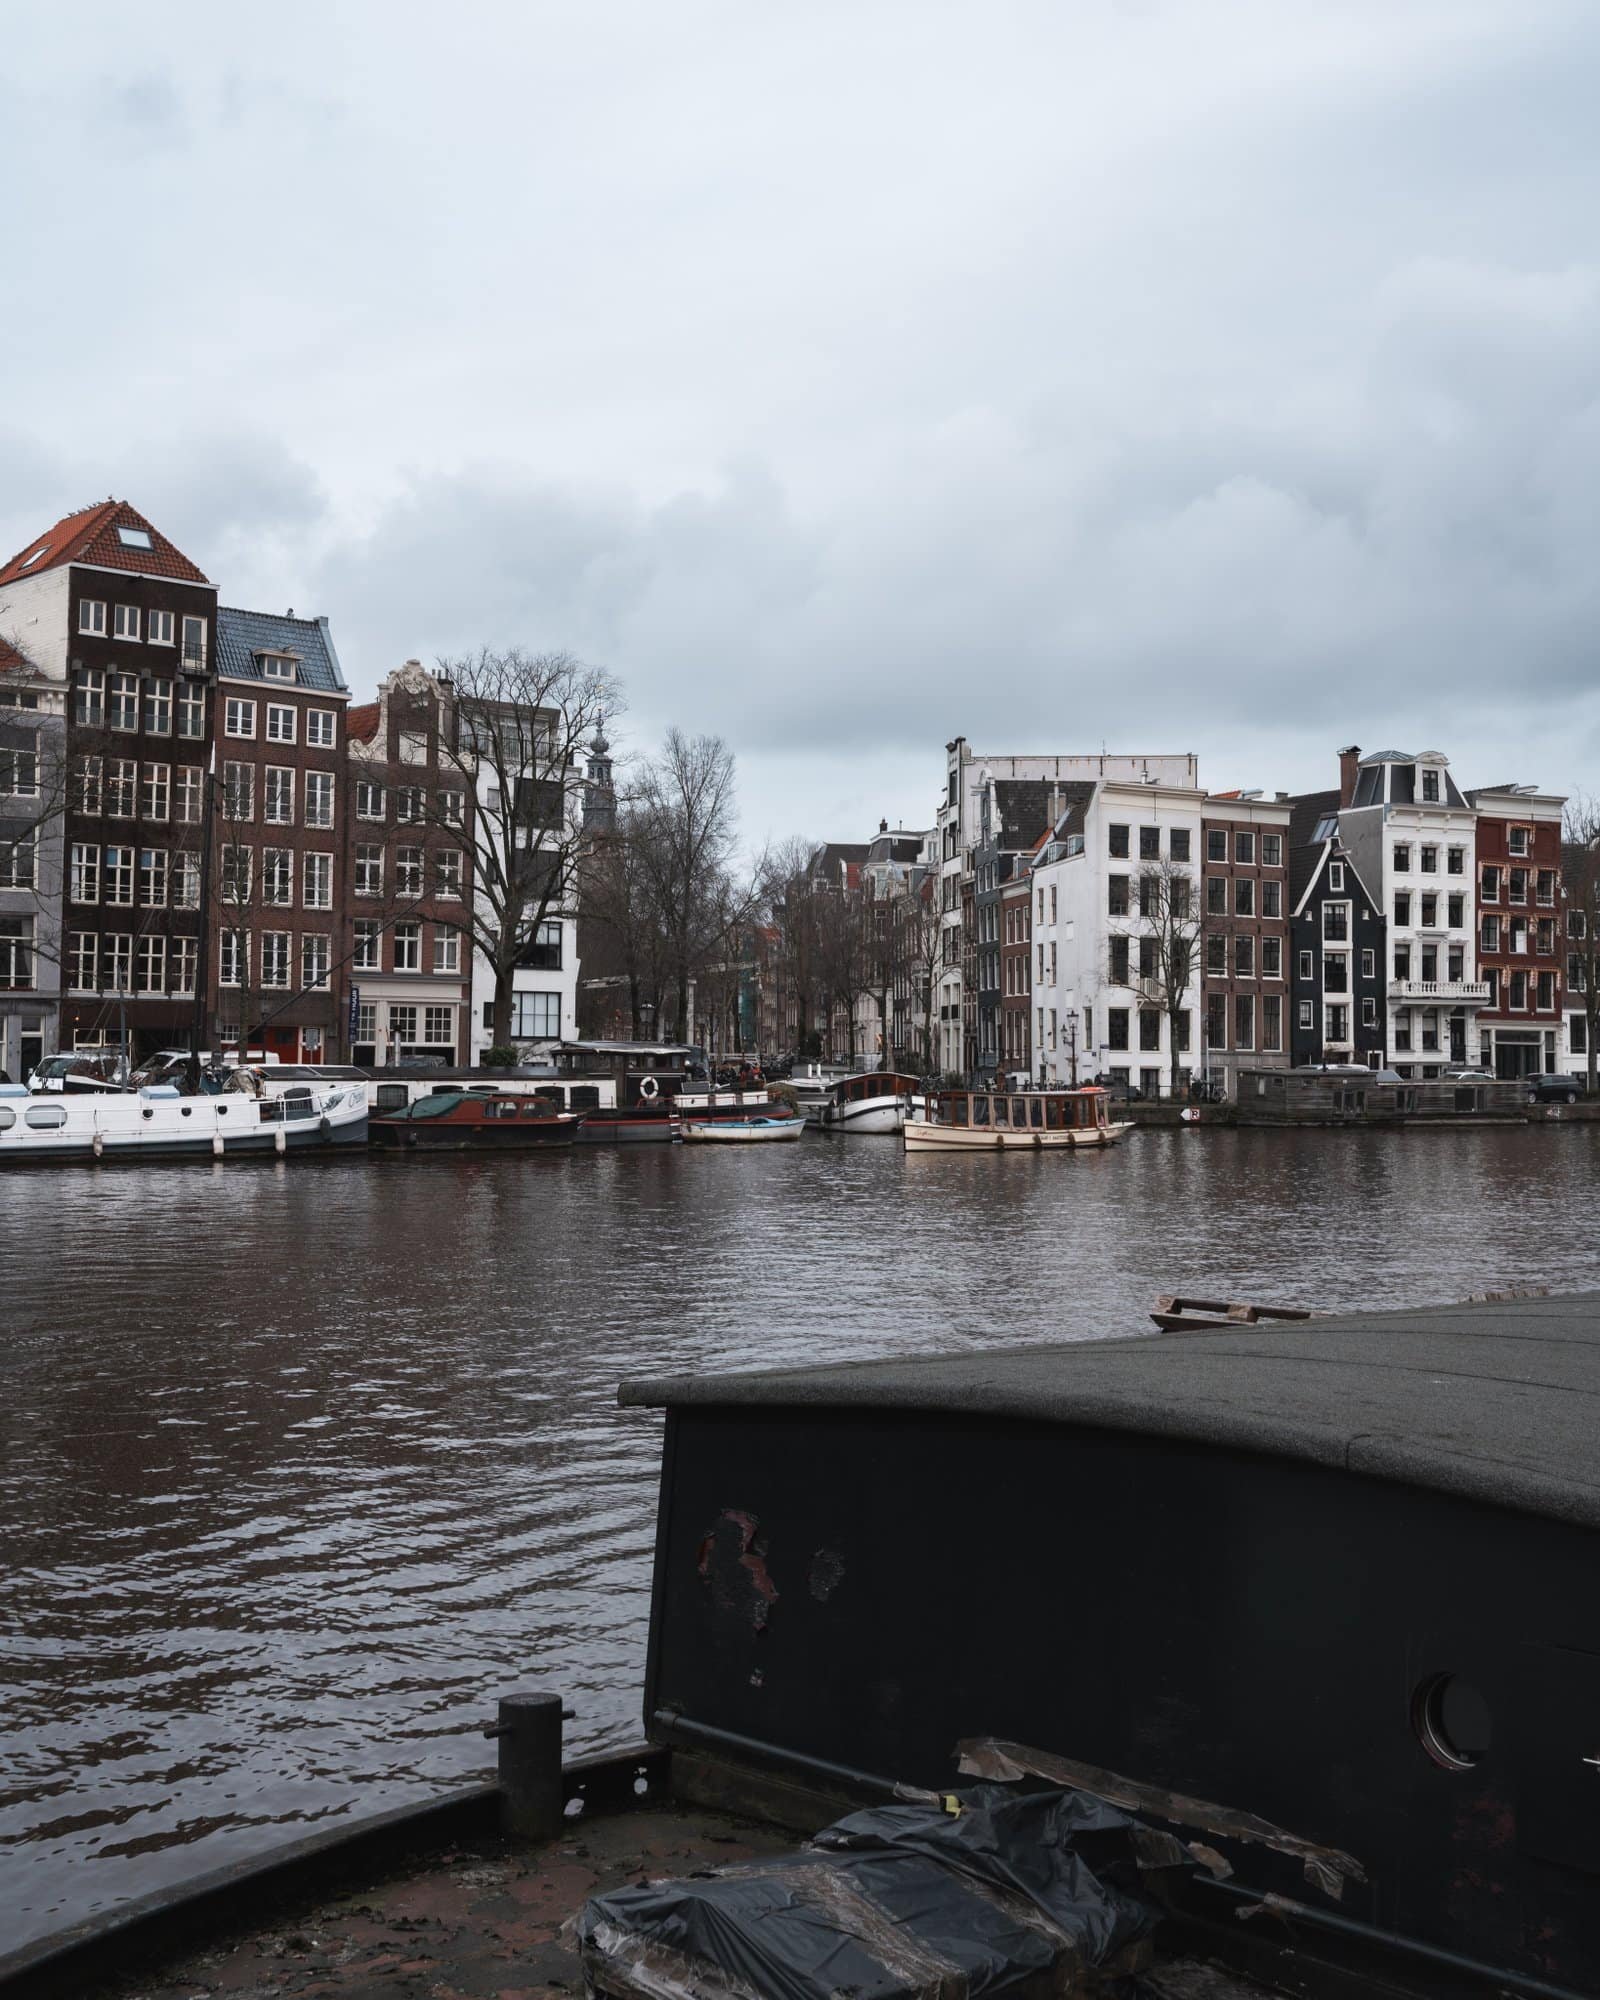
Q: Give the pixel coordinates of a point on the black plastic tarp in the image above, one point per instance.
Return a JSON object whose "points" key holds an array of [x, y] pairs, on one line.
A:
{"points": [[1006, 1894]]}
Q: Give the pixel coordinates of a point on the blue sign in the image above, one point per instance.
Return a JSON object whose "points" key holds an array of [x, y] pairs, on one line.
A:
{"points": [[355, 1011]]}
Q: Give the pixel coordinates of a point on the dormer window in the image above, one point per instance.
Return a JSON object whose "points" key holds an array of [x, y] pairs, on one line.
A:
{"points": [[278, 666], [1430, 787]]}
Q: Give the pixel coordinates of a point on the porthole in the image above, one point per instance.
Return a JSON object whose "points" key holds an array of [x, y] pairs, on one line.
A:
{"points": [[1452, 1721], [7, 1117], [45, 1117]]}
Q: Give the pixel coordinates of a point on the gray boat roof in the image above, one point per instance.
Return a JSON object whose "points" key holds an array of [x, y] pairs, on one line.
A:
{"points": [[1495, 1402]]}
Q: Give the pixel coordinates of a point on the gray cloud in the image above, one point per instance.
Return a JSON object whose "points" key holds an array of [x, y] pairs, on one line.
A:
{"points": [[1221, 376]]}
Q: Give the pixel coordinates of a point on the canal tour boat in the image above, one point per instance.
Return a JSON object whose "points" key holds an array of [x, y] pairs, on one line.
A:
{"points": [[457, 1121], [1035, 1118], [874, 1101], [161, 1122], [756, 1127]]}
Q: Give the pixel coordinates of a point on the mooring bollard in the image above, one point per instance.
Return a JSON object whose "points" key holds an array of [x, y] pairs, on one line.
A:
{"points": [[528, 1731]]}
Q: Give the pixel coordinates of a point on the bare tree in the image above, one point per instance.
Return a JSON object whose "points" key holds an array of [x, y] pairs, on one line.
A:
{"points": [[615, 900], [1166, 938], [846, 956], [790, 897], [512, 725], [683, 810], [1580, 856]]}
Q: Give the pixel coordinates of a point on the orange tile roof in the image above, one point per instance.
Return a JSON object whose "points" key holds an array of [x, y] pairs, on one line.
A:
{"points": [[361, 723], [90, 536]]}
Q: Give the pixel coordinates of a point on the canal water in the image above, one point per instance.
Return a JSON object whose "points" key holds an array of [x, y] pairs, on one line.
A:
{"points": [[302, 1464]]}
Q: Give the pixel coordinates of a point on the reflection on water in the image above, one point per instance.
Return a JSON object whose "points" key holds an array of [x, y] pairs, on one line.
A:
{"points": [[302, 1465]]}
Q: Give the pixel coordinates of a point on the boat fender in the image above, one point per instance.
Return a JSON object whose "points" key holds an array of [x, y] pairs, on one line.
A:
{"points": [[216, 1145], [649, 1090], [99, 1144], [325, 1128], [280, 1141], [411, 1138]]}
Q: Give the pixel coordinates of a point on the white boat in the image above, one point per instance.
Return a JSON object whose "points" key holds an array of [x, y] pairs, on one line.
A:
{"points": [[991, 1120], [757, 1127], [874, 1101], [813, 1084], [160, 1122]]}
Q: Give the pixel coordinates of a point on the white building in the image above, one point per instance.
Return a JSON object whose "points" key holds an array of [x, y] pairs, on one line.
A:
{"points": [[1412, 837], [544, 998], [967, 773], [1100, 1006]]}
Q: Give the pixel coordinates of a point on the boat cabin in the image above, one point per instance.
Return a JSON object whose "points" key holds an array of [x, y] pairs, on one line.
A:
{"points": [[1025, 1110], [388, 1093], [872, 1084], [637, 1072]]}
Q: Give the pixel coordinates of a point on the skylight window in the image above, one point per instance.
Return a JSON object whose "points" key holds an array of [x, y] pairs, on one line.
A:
{"points": [[134, 538], [42, 549]]}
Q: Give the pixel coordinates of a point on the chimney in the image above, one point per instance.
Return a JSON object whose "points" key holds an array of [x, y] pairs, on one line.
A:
{"points": [[1348, 760], [883, 826]]}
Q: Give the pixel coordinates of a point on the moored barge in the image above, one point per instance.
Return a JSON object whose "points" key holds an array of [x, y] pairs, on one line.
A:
{"points": [[1313, 1600]]}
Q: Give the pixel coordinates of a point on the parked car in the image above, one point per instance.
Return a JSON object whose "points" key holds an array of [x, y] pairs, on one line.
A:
{"points": [[1469, 1076], [1553, 1089]]}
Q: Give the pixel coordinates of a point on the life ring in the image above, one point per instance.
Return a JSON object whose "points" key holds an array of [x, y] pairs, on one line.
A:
{"points": [[649, 1090]]}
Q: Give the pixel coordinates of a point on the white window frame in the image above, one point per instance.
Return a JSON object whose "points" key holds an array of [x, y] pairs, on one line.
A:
{"points": [[92, 617], [126, 624], [238, 712], [317, 800], [161, 629], [316, 881], [322, 731], [283, 724]]}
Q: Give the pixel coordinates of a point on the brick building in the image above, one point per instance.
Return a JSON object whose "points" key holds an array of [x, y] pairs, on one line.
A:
{"points": [[1016, 966], [110, 612], [279, 921], [1522, 929], [1244, 864], [408, 880]]}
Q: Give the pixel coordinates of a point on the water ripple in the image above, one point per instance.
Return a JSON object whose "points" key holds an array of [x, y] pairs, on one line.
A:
{"points": [[300, 1467]]}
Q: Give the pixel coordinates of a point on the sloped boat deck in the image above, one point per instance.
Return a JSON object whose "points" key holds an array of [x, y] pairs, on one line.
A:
{"points": [[482, 1920]]}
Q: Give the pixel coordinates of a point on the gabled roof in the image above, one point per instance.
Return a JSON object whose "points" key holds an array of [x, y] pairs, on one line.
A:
{"points": [[91, 536], [361, 723], [242, 636]]}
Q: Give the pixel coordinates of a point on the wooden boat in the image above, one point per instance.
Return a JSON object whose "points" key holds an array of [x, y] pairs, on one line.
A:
{"points": [[1030, 1118], [872, 1101], [160, 1122], [461, 1121], [1334, 1638], [750, 1128]]}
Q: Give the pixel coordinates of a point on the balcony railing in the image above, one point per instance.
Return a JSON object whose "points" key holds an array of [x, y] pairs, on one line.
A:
{"points": [[1470, 991]]}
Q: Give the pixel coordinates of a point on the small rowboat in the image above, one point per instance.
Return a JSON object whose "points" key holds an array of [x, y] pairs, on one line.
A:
{"points": [[761, 1126]]}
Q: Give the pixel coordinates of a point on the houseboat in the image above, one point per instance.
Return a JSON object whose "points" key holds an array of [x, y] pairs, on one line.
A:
{"points": [[391, 1090], [1038, 1118], [651, 1089], [460, 1121], [159, 1121], [872, 1101], [1336, 1659]]}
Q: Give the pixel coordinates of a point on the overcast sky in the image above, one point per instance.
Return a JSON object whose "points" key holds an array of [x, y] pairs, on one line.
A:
{"points": [[1218, 375]]}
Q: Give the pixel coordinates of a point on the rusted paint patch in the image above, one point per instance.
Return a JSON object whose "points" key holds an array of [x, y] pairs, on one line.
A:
{"points": [[1326, 1868], [732, 1558]]}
